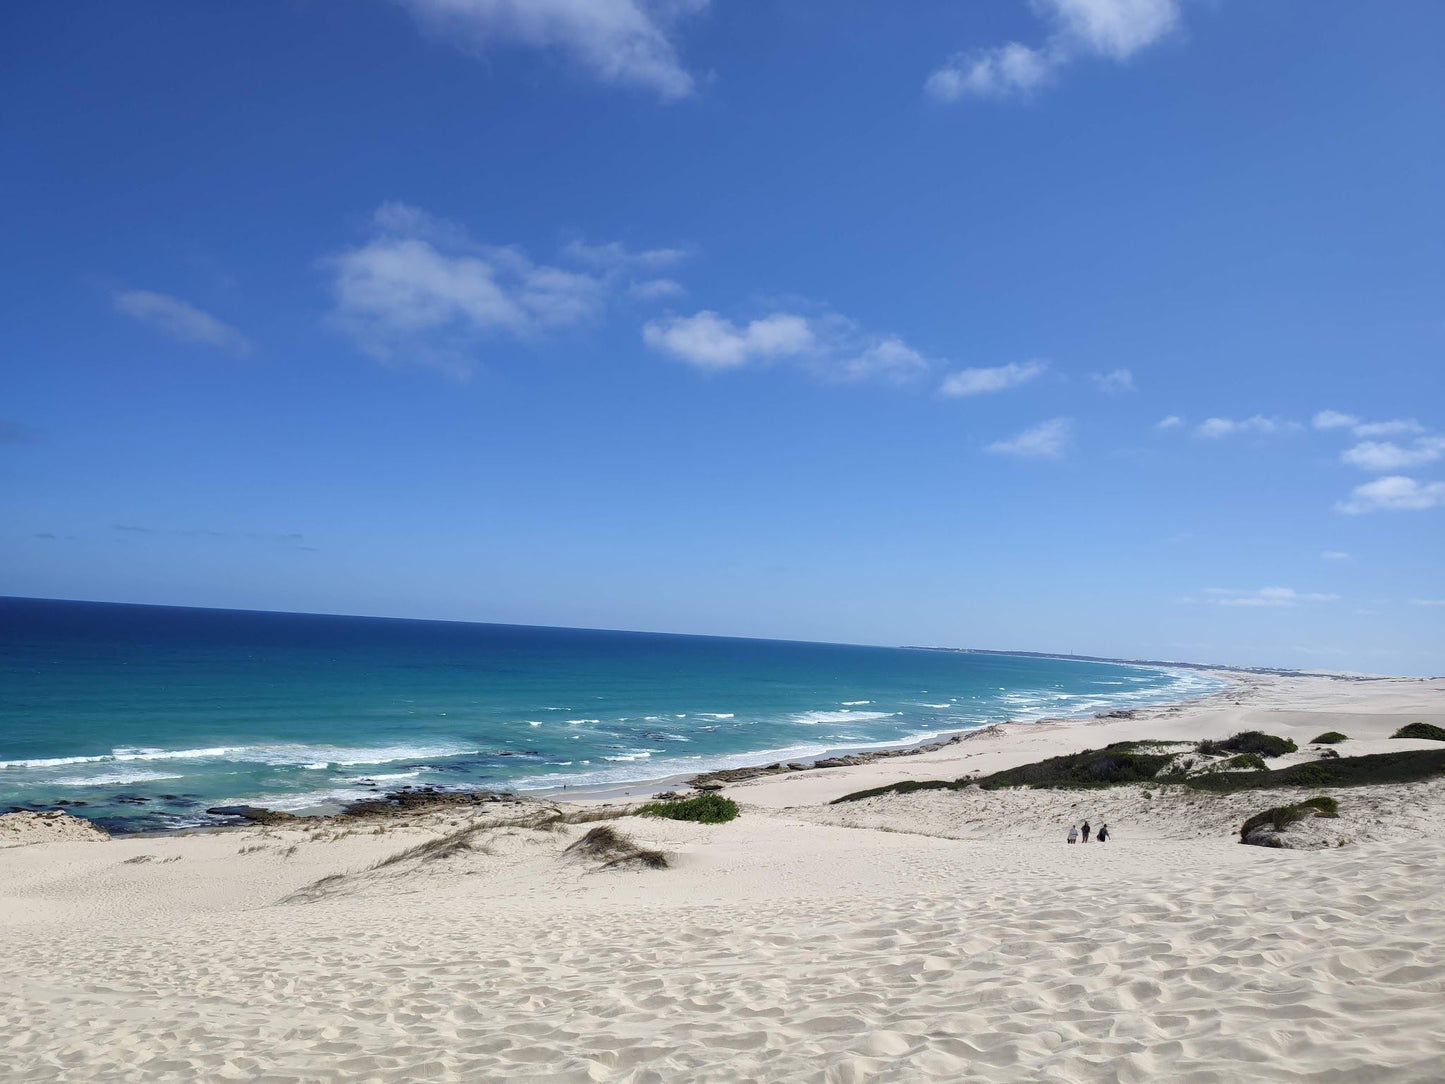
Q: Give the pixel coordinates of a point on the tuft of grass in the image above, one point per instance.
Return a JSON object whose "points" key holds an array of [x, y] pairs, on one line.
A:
{"points": [[1282, 816], [433, 850], [704, 809], [1427, 731], [1330, 737], [615, 849], [1249, 741]]}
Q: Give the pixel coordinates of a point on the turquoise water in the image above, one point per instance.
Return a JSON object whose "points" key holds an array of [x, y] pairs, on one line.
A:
{"points": [[148, 715]]}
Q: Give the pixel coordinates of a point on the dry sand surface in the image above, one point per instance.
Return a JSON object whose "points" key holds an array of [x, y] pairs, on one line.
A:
{"points": [[939, 935]]}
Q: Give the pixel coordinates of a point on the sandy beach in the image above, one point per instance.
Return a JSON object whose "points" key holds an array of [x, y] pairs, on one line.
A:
{"points": [[948, 935]]}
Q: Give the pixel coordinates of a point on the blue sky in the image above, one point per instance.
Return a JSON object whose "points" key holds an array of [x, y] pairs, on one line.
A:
{"points": [[1106, 326]]}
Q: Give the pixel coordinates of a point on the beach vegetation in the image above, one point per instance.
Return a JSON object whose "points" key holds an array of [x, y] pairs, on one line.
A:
{"points": [[1330, 737], [1281, 817], [1421, 730], [616, 849], [1246, 762], [1249, 741], [702, 809]]}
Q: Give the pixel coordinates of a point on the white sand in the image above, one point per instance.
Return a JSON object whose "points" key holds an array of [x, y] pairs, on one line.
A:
{"points": [[948, 936]]}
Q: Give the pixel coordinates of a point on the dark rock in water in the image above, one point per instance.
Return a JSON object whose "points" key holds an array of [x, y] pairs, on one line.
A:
{"points": [[130, 799], [170, 797], [251, 813]]}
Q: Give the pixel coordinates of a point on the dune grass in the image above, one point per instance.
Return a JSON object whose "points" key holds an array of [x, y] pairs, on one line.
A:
{"points": [[1282, 816], [615, 849], [1330, 737], [702, 809]]}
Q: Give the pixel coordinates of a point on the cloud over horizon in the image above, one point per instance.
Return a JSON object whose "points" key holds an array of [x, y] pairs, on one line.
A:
{"points": [[1393, 493]]}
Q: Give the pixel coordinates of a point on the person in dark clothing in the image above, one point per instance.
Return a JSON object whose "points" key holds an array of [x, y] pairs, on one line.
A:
{"points": [[1103, 836], [1084, 831]]}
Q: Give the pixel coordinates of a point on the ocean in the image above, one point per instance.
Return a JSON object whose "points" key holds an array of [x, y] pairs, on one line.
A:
{"points": [[142, 717]]}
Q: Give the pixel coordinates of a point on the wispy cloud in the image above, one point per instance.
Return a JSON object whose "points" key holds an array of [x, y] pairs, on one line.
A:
{"points": [[1335, 555], [1047, 440], [422, 291], [1427, 602], [291, 539], [623, 42], [1393, 427], [827, 344], [1108, 29], [613, 255], [1169, 421], [1115, 382], [656, 289], [967, 382], [179, 320], [1393, 493], [1387, 456], [1216, 428], [1266, 596]]}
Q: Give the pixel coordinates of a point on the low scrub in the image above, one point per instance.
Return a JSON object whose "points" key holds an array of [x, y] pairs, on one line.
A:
{"points": [[1246, 762], [1379, 768], [703, 809], [1249, 741], [1420, 730], [1281, 817], [1330, 737]]}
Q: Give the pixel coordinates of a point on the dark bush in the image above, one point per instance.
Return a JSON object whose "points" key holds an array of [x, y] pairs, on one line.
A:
{"points": [[1420, 730], [1330, 737], [1378, 768], [704, 809], [1249, 741]]}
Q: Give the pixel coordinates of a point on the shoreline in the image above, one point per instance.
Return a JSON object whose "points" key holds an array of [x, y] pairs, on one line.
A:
{"points": [[760, 766], [929, 935]]}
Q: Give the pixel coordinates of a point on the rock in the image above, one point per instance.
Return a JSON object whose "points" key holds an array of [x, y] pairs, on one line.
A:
{"points": [[252, 814]]}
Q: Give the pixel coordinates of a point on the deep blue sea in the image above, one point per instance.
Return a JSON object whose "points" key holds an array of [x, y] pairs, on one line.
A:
{"points": [[102, 705]]}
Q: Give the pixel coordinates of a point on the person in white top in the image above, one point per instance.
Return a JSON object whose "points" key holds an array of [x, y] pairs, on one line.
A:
{"points": [[1073, 833]]}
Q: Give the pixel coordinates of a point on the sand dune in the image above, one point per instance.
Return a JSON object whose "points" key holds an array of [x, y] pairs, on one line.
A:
{"points": [[939, 936]]}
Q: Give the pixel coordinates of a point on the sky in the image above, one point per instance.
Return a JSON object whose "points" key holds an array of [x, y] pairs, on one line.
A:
{"points": [[1112, 327]]}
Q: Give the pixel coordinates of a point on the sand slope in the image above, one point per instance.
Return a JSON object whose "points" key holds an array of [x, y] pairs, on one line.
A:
{"points": [[886, 941]]}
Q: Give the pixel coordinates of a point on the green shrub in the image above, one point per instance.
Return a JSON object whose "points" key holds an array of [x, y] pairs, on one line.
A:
{"points": [[1420, 730], [704, 809], [1282, 816], [1249, 741], [1247, 761], [1330, 737]]}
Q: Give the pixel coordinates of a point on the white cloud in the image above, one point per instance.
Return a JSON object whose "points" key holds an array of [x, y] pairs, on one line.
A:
{"points": [[992, 73], [1333, 419], [1047, 440], [1385, 456], [180, 320], [1215, 428], [890, 358], [827, 344], [1266, 596], [616, 256], [1427, 602], [656, 289], [708, 341], [1393, 493], [420, 291], [625, 42], [1116, 382], [1113, 29], [1335, 555], [1394, 427], [968, 382], [1169, 421]]}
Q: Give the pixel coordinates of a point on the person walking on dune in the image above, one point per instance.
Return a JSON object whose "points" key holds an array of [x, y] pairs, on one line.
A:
{"points": [[1103, 836], [1073, 833], [1086, 831]]}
